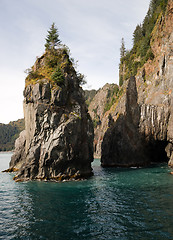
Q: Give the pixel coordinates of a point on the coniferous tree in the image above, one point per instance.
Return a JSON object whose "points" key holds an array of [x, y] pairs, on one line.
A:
{"points": [[122, 49], [122, 65], [52, 40], [141, 51], [137, 34]]}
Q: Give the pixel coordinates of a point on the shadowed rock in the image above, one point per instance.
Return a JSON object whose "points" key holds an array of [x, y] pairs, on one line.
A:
{"points": [[122, 144], [142, 128], [57, 143]]}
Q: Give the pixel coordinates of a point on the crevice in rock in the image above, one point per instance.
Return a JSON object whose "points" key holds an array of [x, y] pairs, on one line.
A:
{"points": [[163, 65], [156, 151]]}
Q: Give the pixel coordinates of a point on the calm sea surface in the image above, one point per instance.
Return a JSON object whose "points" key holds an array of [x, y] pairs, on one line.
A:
{"points": [[114, 204]]}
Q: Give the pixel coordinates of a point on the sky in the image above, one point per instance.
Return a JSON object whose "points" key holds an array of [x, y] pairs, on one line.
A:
{"points": [[92, 29]]}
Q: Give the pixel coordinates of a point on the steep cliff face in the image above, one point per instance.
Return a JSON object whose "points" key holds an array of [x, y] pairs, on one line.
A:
{"points": [[99, 111], [141, 130], [122, 143], [57, 142]]}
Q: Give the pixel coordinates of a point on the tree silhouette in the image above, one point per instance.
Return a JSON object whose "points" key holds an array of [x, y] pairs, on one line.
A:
{"points": [[122, 49]]}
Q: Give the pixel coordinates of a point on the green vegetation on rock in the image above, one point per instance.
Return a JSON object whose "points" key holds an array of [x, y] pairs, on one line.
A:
{"points": [[141, 51], [9, 133], [89, 95], [112, 97], [58, 77], [51, 66], [54, 64]]}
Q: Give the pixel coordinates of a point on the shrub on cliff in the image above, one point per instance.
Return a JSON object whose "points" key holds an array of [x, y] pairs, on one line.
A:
{"points": [[54, 64], [112, 97], [58, 77], [141, 50]]}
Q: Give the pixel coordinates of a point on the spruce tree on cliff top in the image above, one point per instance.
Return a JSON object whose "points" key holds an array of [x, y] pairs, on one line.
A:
{"points": [[141, 52], [52, 40], [122, 49]]}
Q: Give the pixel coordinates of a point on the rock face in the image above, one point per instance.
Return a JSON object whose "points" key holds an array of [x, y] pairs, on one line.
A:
{"points": [[99, 112], [122, 142], [57, 142], [141, 125]]}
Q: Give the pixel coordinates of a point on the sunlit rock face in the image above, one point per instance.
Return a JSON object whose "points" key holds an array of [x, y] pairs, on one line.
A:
{"points": [[141, 128]]}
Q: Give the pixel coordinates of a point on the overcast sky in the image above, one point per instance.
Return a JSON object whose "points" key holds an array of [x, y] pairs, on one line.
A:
{"points": [[92, 29]]}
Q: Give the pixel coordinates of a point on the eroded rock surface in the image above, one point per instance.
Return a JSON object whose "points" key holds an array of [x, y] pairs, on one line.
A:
{"points": [[57, 142], [122, 143], [141, 129], [99, 114]]}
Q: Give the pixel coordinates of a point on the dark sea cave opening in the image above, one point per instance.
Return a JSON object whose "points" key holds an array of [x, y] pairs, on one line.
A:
{"points": [[156, 152]]}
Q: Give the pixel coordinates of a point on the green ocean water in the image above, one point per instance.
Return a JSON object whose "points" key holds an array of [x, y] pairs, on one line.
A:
{"points": [[114, 204]]}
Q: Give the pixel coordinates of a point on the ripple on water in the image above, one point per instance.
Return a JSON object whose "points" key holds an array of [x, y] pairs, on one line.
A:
{"points": [[118, 204]]}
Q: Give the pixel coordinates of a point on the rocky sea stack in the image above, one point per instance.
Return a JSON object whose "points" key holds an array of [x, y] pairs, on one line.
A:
{"points": [[57, 142]]}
